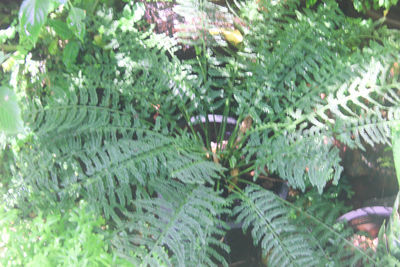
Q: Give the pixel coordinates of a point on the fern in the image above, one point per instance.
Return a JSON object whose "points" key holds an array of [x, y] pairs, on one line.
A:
{"points": [[176, 224], [311, 238], [325, 232], [91, 142], [118, 130], [315, 99], [284, 244]]}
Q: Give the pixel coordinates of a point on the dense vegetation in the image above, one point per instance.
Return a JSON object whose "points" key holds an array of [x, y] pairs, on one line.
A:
{"points": [[112, 155]]}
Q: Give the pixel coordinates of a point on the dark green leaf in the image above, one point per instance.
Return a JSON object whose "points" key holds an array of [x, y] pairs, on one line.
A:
{"points": [[61, 28], [10, 118], [70, 53], [75, 22], [32, 16]]}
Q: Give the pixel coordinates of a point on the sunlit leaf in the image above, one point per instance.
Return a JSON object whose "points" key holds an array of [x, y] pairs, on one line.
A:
{"points": [[76, 22], [10, 118], [32, 16], [61, 29], [396, 150]]}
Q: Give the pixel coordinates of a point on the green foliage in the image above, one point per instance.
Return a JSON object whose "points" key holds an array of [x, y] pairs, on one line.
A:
{"points": [[389, 238], [75, 22], [61, 28], [188, 227], [284, 243], [62, 238], [70, 53], [324, 231], [115, 128], [32, 17], [396, 149], [10, 117], [305, 92], [365, 5]]}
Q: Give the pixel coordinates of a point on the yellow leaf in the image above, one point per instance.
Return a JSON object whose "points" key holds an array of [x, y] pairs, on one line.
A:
{"points": [[233, 36]]}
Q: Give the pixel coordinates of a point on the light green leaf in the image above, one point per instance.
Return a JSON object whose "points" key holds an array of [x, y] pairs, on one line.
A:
{"points": [[75, 22], [61, 28], [138, 11], [70, 53], [6, 34], [3, 57], [10, 115], [396, 150], [32, 16]]}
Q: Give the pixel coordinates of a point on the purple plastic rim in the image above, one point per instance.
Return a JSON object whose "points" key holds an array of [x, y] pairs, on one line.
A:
{"points": [[212, 118], [381, 211]]}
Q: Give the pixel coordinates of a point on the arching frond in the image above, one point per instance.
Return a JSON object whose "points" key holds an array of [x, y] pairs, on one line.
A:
{"points": [[267, 219], [183, 220]]}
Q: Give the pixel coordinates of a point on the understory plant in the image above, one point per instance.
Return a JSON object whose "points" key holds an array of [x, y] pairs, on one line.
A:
{"points": [[126, 128]]}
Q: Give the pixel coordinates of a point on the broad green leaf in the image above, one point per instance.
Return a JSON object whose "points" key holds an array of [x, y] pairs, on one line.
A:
{"points": [[10, 115], [70, 53], [32, 16], [61, 28], [76, 22]]}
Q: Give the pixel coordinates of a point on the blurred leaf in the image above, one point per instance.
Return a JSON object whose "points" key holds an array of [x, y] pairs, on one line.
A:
{"points": [[233, 36], [10, 117], [53, 47], [6, 34], [389, 238], [61, 28], [75, 22], [32, 16], [396, 150], [3, 57], [138, 11], [70, 53]]}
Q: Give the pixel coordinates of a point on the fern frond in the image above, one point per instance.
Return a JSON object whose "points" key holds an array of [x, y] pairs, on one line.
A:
{"points": [[319, 216], [300, 158], [105, 174], [302, 95], [184, 221], [270, 227]]}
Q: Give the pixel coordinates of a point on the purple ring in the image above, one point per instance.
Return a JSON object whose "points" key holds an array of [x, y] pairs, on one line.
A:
{"points": [[366, 211]]}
